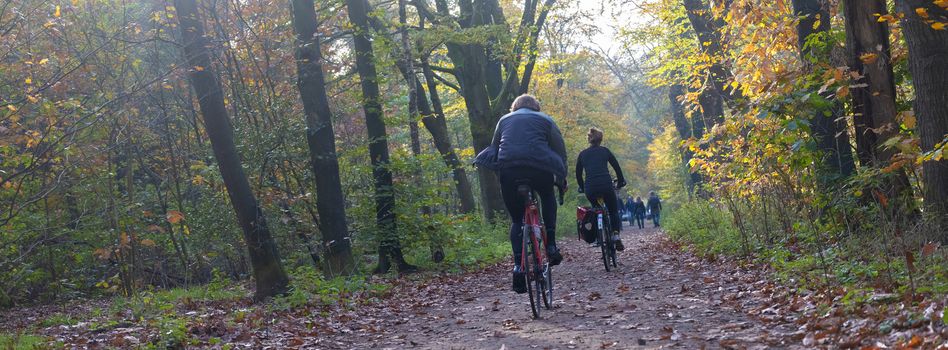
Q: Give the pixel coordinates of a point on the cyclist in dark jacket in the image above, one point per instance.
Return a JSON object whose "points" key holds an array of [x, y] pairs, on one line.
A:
{"points": [[595, 161], [655, 207], [527, 145]]}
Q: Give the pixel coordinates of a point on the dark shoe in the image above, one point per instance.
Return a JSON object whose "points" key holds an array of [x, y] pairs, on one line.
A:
{"points": [[553, 253], [519, 282], [618, 243]]}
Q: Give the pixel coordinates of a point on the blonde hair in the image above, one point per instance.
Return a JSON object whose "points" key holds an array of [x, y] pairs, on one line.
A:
{"points": [[525, 101], [594, 136]]}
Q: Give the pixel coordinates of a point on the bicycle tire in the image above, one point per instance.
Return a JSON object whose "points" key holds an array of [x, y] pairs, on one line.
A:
{"points": [[604, 241], [527, 248], [538, 274], [544, 274], [548, 301], [612, 245]]}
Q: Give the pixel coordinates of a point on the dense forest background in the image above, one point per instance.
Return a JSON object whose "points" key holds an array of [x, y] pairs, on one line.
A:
{"points": [[148, 145]]}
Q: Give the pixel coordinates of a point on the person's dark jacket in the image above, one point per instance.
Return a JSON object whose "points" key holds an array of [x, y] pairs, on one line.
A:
{"points": [[595, 161], [639, 208], [526, 138], [630, 206], [654, 204]]}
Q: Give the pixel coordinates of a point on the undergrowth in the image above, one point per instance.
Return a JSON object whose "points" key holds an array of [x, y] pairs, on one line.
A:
{"points": [[868, 263]]}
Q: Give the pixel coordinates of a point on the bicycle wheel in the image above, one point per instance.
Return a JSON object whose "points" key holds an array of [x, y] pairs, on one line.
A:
{"points": [[603, 246], [608, 246], [611, 243], [539, 275], [528, 275], [544, 281], [548, 279]]}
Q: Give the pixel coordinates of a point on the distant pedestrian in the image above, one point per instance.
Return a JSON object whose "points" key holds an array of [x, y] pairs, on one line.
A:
{"points": [[639, 210], [630, 208], [655, 208]]}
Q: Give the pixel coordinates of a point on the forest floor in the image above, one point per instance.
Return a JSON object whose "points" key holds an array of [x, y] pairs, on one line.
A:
{"points": [[659, 297]]}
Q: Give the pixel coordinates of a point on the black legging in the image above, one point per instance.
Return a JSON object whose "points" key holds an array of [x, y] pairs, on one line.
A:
{"points": [[542, 183], [609, 197]]}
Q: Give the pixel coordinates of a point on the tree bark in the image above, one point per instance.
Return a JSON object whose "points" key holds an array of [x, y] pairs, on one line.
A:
{"points": [[432, 117], [928, 62], [828, 126], [268, 270], [434, 120], [675, 92], [478, 74], [389, 247], [874, 109], [710, 44], [321, 140]]}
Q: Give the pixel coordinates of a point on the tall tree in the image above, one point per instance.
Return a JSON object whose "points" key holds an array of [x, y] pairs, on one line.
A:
{"points": [[321, 141], [389, 247], [676, 93], [710, 43], [828, 126], [268, 270], [489, 80], [432, 115], [874, 109], [928, 62]]}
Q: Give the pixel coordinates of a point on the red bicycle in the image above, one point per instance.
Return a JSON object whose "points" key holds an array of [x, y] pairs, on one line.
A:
{"points": [[534, 261]]}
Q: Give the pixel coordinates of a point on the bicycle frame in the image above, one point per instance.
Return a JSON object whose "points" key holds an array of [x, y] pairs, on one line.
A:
{"points": [[534, 244], [532, 219]]}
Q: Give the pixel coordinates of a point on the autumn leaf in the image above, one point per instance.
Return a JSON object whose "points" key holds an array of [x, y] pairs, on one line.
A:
{"points": [[174, 216], [148, 243], [124, 239], [930, 248], [868, 58], [908, 119], [881, 198], [938, 26], [922, 12], [58, 12]]}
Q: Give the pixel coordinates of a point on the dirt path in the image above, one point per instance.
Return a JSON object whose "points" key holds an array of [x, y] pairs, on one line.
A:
{"points": [[657, 298]]}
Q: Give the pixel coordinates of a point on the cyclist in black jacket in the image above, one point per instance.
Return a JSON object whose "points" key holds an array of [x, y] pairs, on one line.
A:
{"points": [[595, 161]]}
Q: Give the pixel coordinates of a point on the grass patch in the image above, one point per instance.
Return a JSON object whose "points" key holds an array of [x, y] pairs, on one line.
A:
{"points": [[709, 229], [814, 255], [58, 319], [10, 341], [149, 304], [307, 286]]}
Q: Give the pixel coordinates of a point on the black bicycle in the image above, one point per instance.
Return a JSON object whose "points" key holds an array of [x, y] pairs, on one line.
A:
{"points": [[604, 235]]}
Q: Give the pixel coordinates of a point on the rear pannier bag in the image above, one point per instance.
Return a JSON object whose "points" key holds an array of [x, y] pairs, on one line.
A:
{"points": [[586, 224]]}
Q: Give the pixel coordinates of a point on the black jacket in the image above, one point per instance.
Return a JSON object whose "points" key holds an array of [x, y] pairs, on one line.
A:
{"points": [[595, 161], [526, 138], [654, 204]]}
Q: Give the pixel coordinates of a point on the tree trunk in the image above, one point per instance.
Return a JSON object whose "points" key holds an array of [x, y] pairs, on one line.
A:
{"points": [[267, 268], [478, 74], [928, 62], [684, 132], [434, 120], [330, 201], [874, 109], [710, 44], [828, 126], [389, 247]]}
